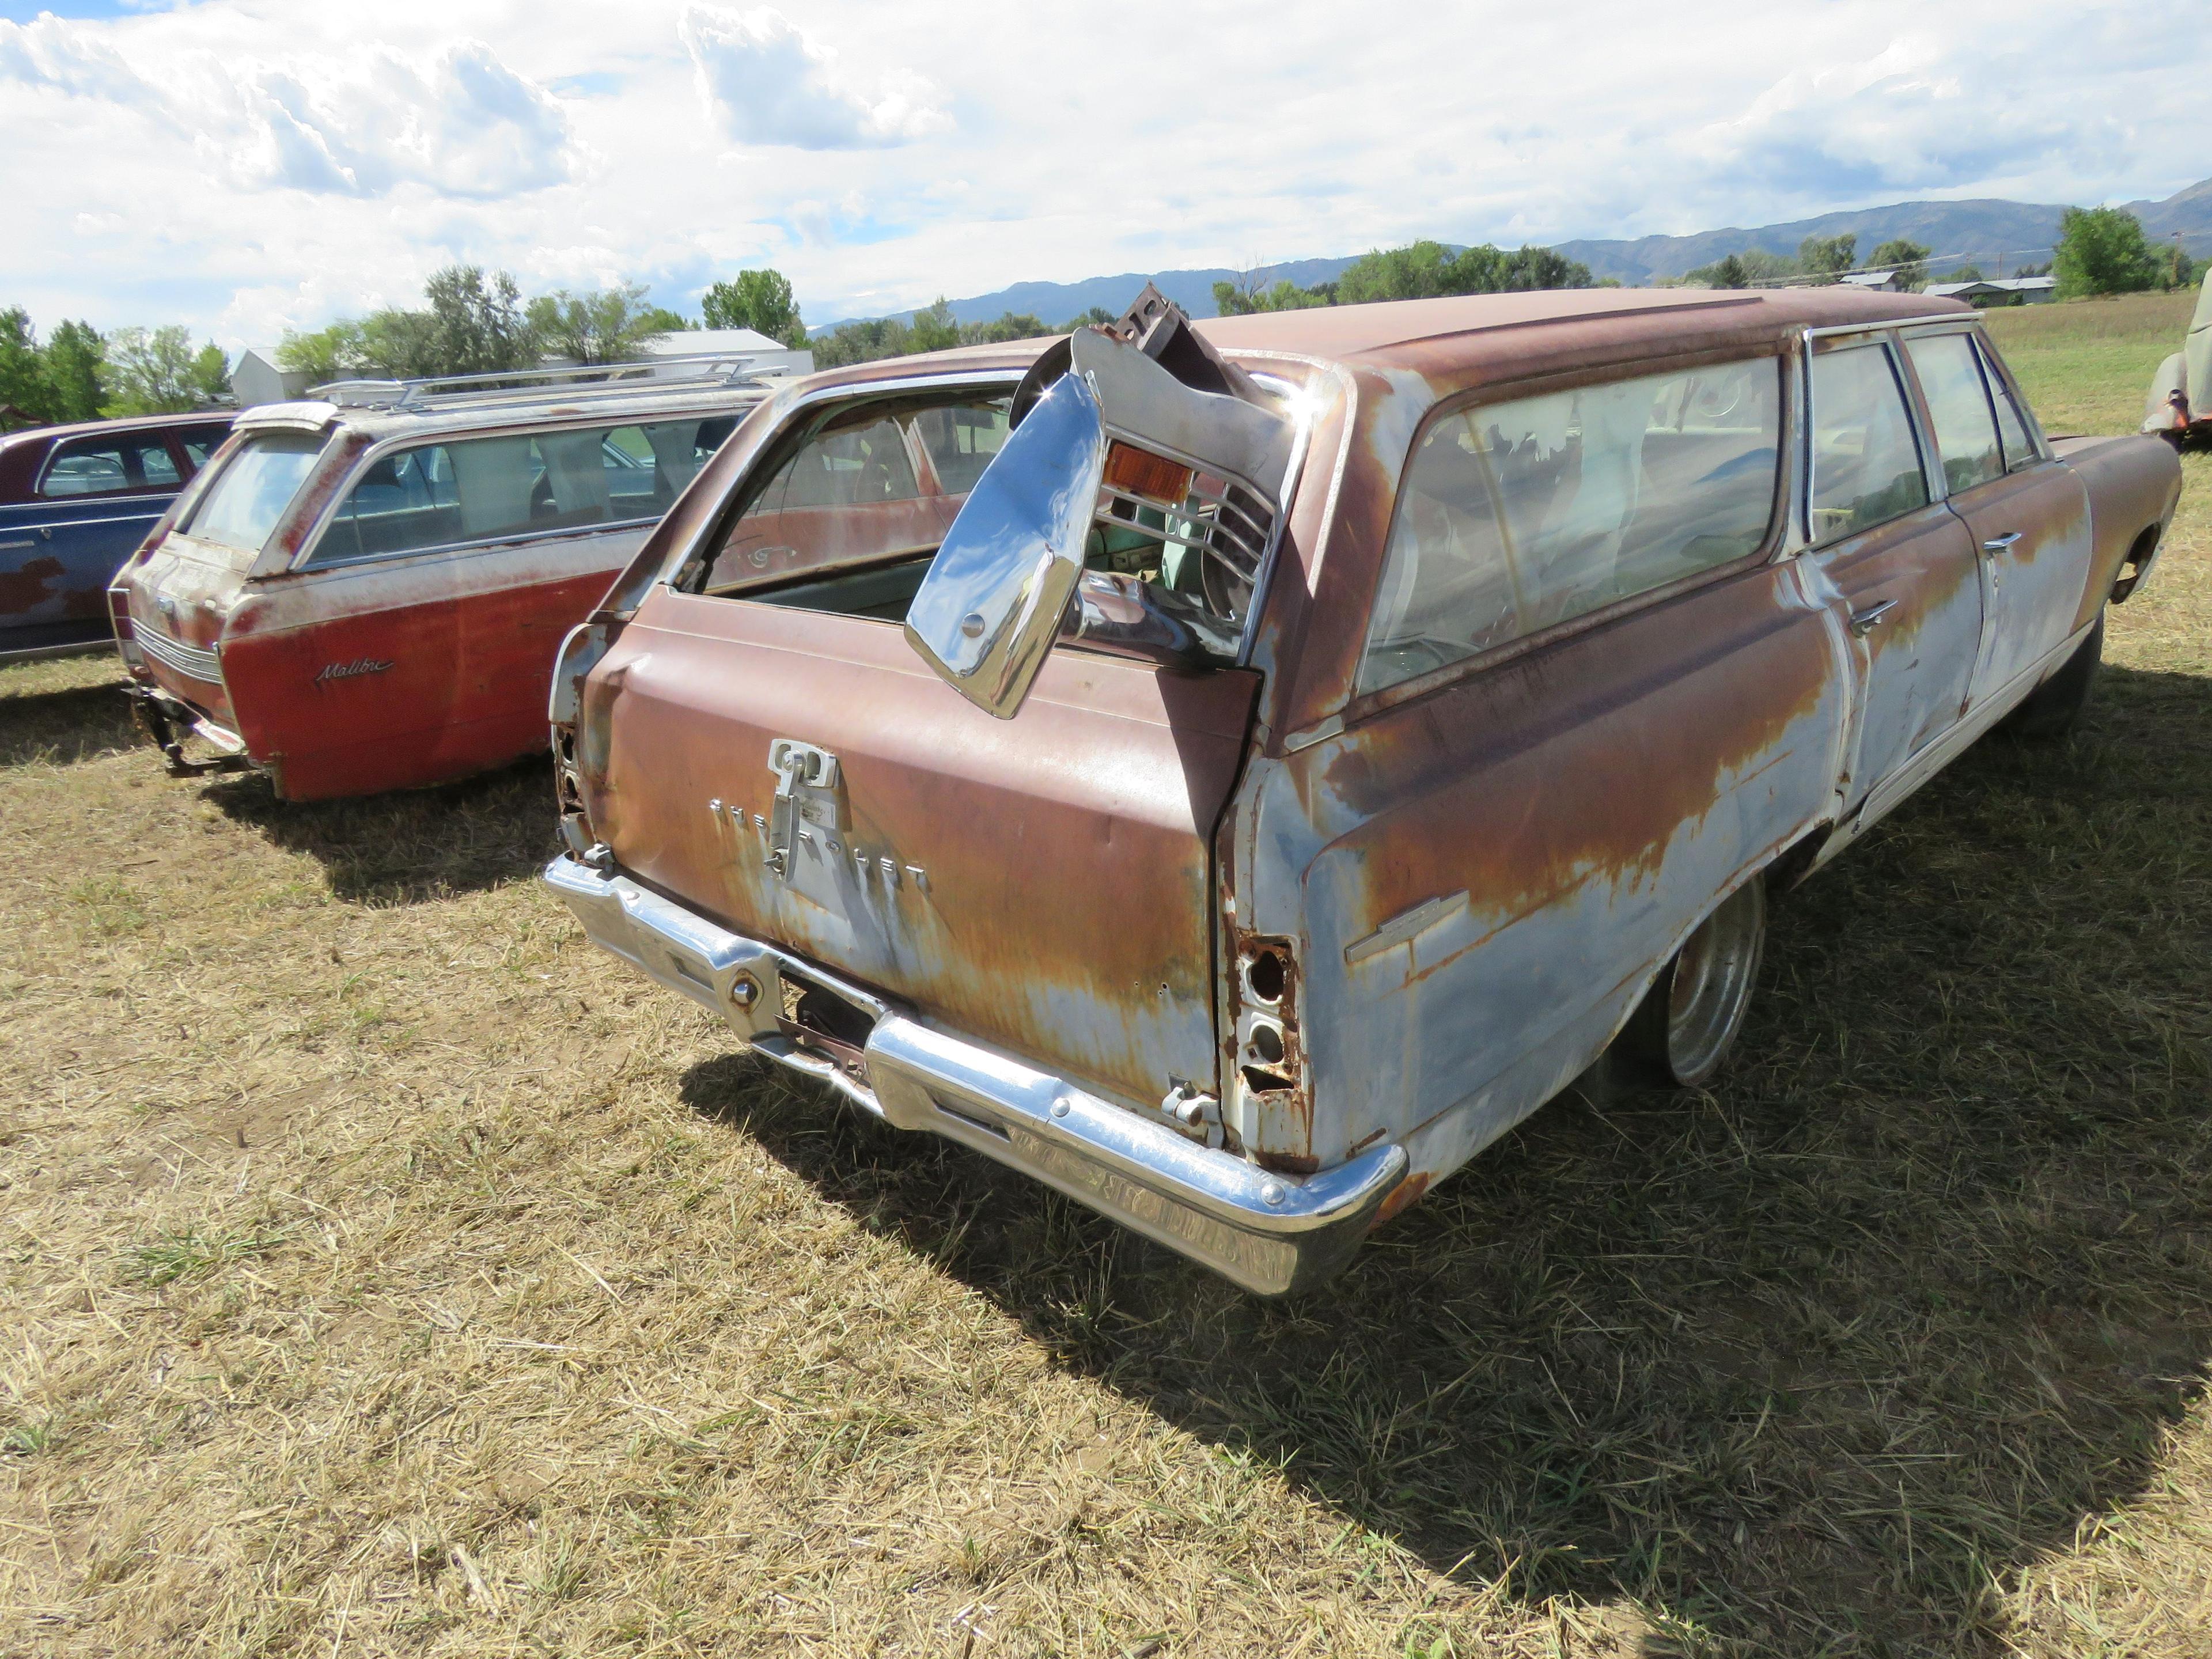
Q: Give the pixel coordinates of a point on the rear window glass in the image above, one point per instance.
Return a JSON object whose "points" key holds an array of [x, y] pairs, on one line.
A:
{"points": [[105, 466], [1517, 516], [485, 489], [200, 442], [853, 490], [248, 499]]}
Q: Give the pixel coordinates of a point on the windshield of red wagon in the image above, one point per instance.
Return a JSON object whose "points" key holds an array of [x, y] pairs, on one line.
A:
{"points": [[243, 505]]}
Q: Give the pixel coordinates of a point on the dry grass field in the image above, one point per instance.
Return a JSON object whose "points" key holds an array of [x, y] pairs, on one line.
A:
{"points": [[382, 1272]]}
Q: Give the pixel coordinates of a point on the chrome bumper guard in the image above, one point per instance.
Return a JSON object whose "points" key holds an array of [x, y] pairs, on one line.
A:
{"points": [[1271, 1234]]}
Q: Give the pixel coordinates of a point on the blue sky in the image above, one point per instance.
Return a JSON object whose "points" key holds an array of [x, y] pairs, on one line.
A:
{"points": [[251, 166]]}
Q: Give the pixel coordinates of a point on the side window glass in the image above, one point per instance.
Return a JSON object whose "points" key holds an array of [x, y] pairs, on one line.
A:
{"points": [[400, 503], [961, 441], [2020, 449], [156, 466], [1866, 466], [91, 466], [1517, 516], [1959, 407]]}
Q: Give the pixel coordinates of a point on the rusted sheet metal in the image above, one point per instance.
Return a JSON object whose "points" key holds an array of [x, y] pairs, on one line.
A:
{"points": [[1042, 885], [1485, 877], [2133, 486]]}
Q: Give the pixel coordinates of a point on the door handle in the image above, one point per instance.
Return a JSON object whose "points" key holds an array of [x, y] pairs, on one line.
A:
{"points": [[1864, 622], [1998, 544]]}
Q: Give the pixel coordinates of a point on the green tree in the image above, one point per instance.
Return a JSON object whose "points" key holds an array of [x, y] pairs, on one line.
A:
{"points": [[1007, 325], [760, 301], [1826, 257], [662, 321], [153, 372], [1964, 274], [1095, 316], [1908, 259], [2102, 251], [933, 328], [1233, 300], [76, 359], [607, 325], [26, 398], [479, 326], [210, 374], [403, 345], [1426, 269], [862, 342], [326, 355]]}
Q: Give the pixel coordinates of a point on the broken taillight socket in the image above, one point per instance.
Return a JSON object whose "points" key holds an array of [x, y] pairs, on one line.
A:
{"points": [[744, 990]]}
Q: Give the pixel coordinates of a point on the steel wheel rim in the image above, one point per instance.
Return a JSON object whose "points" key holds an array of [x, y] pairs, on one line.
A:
{"points": [[1710, 986]]}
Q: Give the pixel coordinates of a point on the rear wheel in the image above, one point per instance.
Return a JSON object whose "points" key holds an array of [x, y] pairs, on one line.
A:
{"points": [[1682, 1030], [2050, 710]]}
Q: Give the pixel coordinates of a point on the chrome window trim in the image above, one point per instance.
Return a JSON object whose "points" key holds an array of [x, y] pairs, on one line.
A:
{"points": [[310, 543]]}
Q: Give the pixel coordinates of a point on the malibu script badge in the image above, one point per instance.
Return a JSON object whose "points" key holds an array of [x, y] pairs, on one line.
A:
{"points": [[351, 671]]}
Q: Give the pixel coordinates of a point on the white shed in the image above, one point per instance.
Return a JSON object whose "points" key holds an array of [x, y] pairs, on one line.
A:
{"points": [[256, 379]]}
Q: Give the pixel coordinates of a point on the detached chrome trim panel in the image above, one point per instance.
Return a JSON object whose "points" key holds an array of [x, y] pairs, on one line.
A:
{"points": [[175, 653], [1272, 1234]]}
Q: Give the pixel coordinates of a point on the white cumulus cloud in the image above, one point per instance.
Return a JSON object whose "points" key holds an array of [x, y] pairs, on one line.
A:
{"points": [[460, 121], [765, 80]]}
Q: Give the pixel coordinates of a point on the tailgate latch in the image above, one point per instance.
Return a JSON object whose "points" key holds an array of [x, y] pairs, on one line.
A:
{"points": [[796, 765]]}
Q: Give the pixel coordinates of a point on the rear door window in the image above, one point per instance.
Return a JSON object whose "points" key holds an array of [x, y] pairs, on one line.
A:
{"points": [[1959, 407], [1517, 516], [517, 486], [1866, 462], [248, 499], [109, 465], [2020, 447]]}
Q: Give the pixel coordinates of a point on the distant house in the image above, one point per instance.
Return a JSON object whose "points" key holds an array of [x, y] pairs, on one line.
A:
{"points": [[256, 379], [1876, 281], [1998, 290]]}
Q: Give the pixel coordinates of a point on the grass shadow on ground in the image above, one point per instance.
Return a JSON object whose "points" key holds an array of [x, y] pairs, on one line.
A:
{"points": [[413, 845], [1808, 1364], [68, 724]]}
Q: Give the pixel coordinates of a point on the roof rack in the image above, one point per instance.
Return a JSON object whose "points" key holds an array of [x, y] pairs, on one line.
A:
{"points": [[530, 384]]}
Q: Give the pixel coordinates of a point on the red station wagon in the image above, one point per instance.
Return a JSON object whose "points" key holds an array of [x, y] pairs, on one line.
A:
{"points": [[365, 594], [1319, 736]]}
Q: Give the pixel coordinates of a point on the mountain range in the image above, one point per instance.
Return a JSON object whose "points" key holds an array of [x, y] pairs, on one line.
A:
{"points": [[1994, 235]]}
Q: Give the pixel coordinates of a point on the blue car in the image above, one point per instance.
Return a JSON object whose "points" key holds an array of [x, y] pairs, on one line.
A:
{"points": [[75, 501]]}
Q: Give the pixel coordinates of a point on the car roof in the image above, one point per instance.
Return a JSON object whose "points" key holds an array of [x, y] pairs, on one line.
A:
{"points": [[381, 420], [120, 423], [1533, 326]]}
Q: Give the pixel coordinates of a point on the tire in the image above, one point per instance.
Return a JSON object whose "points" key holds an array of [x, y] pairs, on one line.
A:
{"points": [[1681, 1034], [2050, 710]]}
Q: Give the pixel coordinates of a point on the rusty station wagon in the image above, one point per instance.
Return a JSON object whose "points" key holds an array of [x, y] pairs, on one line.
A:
{"points": [[1319, 736], [365, 592]]}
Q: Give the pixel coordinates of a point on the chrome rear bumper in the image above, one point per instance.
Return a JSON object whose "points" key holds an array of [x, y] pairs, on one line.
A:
{"points": [[1272, 1234]]}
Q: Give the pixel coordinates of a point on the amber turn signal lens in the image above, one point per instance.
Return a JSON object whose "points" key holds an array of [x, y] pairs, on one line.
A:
{"points": [[1153, 477]]}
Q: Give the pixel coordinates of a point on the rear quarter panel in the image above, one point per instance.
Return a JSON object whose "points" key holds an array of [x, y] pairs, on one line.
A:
{"points": [[2134, 485]]}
